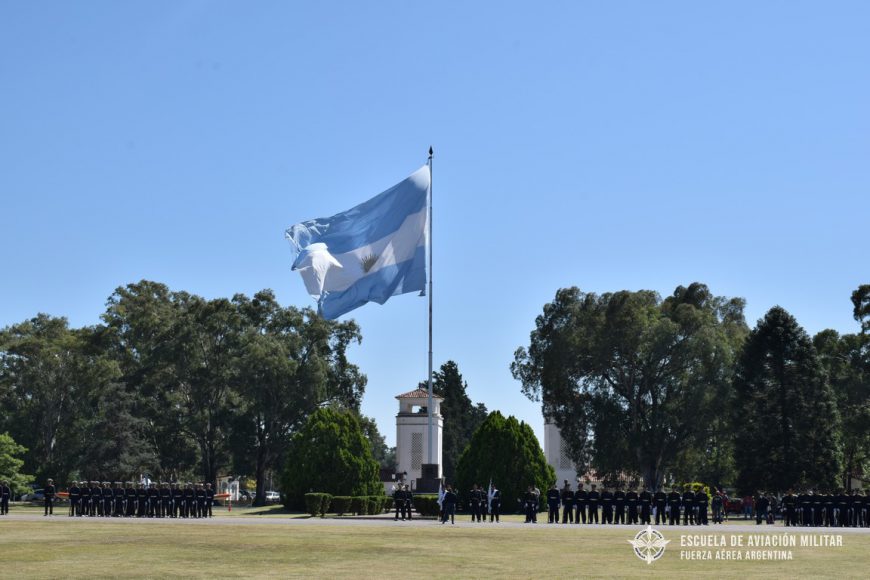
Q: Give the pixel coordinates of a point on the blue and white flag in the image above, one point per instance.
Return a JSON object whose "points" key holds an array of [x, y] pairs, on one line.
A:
{"points": [[367, 253]]}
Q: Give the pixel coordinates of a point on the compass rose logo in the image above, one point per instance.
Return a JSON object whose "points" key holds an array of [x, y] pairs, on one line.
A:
{"points": [[649, 544]]}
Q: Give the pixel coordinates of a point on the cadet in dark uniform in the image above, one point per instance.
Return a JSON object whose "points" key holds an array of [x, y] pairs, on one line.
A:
{"points": [[177, 500], [129, 500], [865, 507], [49, 498], [449, 505], [593, 500], [581, 499], [118, 495], [857, 503], [85, 501], [688, 507], [409, 500], [200, 500], [494, 504], [165, 500], [606, 506], [806, 508], [530, 504], [399, 502], [789, 504], [660, 500], [552, 505], [818, 508], [631, 499], [716, 503], [96, 499], [108, 499], [75, 496], [674, 501], [761, 505], [619, 506], [189, 501], [830, 506], [645, 498], [476, 498], [701, 503], [843, 504], [568, 500], [5, 494]]}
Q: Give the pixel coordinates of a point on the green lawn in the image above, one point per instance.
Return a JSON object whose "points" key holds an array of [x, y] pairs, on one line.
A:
{"points": [[60, 548]]}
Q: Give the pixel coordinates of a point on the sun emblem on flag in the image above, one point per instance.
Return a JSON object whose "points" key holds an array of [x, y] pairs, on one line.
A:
{"points": [[368, 262], [649, 544]]}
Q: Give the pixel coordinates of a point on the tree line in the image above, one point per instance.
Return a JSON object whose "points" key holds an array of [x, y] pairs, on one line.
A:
{"points": [[681, 389], [173, 385]]}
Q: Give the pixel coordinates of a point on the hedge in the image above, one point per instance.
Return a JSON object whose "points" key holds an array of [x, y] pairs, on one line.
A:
{"points": [[388, 504], [341, 504], [375, 504], [426, 504], [358, 505], [317, 503]]}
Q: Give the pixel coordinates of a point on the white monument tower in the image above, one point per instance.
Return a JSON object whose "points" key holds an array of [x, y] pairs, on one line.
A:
{"points": [[557, 456], [412, 442]]}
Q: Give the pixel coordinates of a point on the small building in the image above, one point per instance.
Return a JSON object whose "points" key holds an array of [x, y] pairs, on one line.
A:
{"points": [[412, 436]]}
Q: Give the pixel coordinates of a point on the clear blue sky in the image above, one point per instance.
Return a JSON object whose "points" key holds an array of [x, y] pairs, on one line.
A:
{"points": [[609, 145]]}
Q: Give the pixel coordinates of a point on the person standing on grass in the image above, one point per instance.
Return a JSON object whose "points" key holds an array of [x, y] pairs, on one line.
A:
{"points": [[449, 504], [568, 500], [49, 498], [476, 498], [593, 498], [645, 498], [581, 499], [553, 504], [409, 501], [674, 501], [75, 495], [5, 492], [660, 499], [494, 503]]}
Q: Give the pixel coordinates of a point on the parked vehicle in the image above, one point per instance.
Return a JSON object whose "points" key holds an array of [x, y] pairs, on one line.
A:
{"points": [[273, 497]]}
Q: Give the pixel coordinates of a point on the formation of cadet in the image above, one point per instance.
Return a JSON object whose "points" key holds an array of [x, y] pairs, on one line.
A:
{"points": [[155, 500], [814, 509], [403, 501]]}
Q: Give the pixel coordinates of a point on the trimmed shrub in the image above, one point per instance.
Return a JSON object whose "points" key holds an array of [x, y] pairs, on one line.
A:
{"points": [[341, 504], [325, 503], [316, 504], [388, 504], [313, 501], [426, 505], [374, 505], [358, 505]]}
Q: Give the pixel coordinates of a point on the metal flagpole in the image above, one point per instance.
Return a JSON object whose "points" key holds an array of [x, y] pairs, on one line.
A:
{"points": [[429, 407]]}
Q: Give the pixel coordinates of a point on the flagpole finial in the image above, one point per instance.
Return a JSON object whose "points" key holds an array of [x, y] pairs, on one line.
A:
{"points": [[431, 152]]}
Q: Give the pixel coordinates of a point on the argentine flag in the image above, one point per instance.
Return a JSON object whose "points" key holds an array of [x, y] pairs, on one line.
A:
{"points": [[369, 252]]}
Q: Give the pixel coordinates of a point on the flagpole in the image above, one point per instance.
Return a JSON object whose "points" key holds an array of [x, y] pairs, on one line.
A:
{"points": [[429, 407]]}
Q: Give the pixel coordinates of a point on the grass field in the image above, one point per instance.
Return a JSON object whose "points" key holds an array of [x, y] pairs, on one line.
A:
{"points": [[227, 548]]}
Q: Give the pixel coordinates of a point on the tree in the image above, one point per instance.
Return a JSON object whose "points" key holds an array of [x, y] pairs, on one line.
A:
{"points": [[290, 362], [506, 452], [385, 456], [11, 464], [630, 379], [788, 420], [330, 454], [844, 359], [461, 416], [861, 303], [48, 373]]}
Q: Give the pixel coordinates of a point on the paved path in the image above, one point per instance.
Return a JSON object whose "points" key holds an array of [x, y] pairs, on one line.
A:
{"points": [[9, 521]]}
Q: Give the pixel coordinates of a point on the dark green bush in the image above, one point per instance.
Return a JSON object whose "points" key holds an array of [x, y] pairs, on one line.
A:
{"points": [[374, 505], [313, 501], [358, 505], [388, 504], [326, 501], [426, 504], [341, 504]]}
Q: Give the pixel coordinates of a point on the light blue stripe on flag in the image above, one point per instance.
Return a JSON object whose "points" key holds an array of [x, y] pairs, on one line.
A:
{"points": [[367, 253]]}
